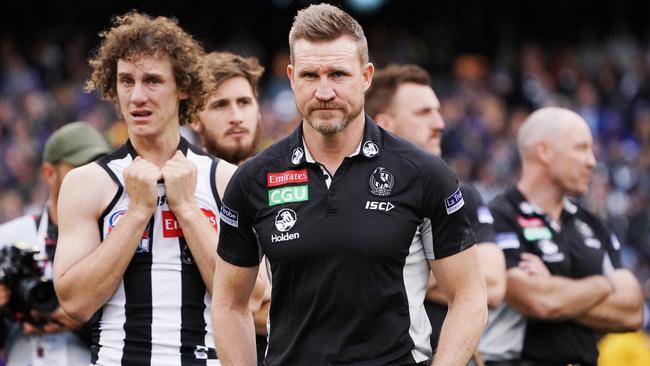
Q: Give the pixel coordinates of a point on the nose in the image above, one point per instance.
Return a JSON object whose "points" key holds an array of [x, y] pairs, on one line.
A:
{"points": [[324, 91], [437, 122], [591, 159], [138, 94], [237, 116]]}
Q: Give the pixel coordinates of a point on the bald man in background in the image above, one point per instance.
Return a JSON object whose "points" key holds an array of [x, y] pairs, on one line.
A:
{"points": [[565, 280]]}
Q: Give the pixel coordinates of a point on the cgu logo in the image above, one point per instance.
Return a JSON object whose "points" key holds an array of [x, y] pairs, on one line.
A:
{"points": [[288, 194], [379, 206], [172, 229]]}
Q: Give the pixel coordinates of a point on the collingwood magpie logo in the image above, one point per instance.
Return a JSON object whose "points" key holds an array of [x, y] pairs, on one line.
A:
{"points": [[296, 155], [284, 221], [381, 182], [370, 149]]}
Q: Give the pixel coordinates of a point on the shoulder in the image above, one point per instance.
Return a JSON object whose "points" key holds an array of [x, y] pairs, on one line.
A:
{"points": [[501, 204], [224, 173], [89, 185]]}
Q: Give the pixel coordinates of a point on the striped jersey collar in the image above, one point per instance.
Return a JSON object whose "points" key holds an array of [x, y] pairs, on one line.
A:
{"points": [[369, 147], [183, 145]]}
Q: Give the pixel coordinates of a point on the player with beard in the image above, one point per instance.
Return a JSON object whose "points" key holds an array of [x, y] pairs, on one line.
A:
{"points": [[229, 128], [229, 125]]}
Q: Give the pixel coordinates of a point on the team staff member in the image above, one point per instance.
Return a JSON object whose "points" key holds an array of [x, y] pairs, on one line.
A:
{"points": [[59, 340], [565, 281], [402, 101], [137, 228], [229, 127], [334, 207]]}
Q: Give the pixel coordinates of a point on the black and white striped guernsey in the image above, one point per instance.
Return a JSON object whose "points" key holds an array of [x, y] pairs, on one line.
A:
{"points": [[160, 312]]}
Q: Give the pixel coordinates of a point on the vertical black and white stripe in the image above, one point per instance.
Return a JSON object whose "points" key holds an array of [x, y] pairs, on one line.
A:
{"points": [[160, 312]]}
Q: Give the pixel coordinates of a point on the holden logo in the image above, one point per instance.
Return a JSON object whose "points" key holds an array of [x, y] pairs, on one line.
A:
{"points": [[297, 155], [370, 149], [381, 182], [285, 219]]}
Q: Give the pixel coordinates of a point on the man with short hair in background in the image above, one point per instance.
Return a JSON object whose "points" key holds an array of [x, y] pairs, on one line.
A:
{"points": [[55, 339], [402, 101]]}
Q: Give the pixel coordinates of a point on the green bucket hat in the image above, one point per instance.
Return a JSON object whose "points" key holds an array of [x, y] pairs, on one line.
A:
{"points": [[76, 143]]}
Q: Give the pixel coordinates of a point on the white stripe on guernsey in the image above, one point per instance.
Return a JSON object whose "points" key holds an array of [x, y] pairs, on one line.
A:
{"points": [[503, 338], [425, 233], [111, 335], [166, 298], [209, 338], [416, 278]]}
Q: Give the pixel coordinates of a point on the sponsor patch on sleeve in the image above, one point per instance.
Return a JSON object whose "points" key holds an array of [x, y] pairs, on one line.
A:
{"points": [[507, 240], [230, 217], [454, 202], [484, 215]]}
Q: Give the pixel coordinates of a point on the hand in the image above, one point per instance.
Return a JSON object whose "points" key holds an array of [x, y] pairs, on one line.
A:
{"points": [[140, 179], [55, 322], [533, 265], [180, 183], [4, 295]]}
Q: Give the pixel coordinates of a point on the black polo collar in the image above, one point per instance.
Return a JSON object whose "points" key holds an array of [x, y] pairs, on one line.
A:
{"points": [[528, 209], [370, 146]]}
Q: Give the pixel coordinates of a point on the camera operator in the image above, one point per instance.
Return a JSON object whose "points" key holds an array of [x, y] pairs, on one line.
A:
{"points": [[48, 339]]}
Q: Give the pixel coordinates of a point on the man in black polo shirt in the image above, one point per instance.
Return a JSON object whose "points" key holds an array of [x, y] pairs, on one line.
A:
{"points": [[565, 281], [334, 207], [402, 101]]}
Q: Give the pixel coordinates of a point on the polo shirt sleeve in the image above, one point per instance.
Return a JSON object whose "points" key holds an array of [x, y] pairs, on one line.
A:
{"points": [[506, 237], [237, 240], [478, 214], [444, 206]]}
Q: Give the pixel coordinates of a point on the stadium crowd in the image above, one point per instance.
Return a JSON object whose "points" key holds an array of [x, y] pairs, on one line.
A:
{"points": [[484, 100]]}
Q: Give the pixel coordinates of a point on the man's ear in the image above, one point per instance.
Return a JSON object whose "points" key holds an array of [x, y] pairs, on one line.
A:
{"points": [[367, 73], [290, 75], [544, 151], [385, 121], [48, 170], [196, 125]]}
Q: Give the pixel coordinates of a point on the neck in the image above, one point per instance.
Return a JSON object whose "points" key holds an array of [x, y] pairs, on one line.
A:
{"points": [[51, 210], [540, 190], [157, 149], [330, 150]]}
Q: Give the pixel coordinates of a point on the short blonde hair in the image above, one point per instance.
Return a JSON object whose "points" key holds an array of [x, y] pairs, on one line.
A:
{"points": [[324, 22]]}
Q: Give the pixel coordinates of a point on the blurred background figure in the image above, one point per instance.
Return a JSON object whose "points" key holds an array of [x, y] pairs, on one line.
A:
{"points": [[40, 333], [401, 100]]}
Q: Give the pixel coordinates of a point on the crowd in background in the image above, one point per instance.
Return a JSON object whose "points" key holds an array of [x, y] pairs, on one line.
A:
{"points": [[484, 99]]}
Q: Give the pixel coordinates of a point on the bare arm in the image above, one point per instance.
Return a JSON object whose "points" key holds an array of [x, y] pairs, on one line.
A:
{"points": [[460, 280], [260, 301], [493, 268], [622, 310], [87, 271], [537, 294], [231, 317]]}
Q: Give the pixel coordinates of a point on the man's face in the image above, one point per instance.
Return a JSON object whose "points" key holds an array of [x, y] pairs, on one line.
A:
{"points": [[228, 125], [572, 158], [329, 82], [415, 110], [148, 96]]}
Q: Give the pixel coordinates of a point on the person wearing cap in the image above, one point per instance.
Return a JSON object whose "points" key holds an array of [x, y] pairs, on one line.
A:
{"points": [[58, 339]]}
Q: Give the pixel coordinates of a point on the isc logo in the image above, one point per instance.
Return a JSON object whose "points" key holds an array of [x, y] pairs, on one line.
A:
{"points": [[379, 206]]}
